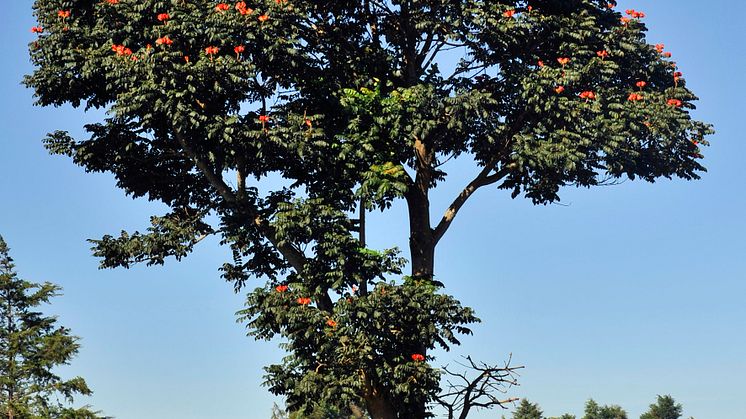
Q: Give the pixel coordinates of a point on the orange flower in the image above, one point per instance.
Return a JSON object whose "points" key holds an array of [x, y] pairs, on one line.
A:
{"points": [[263, 18], [563, 60], [634, 97], [238, 49], [659, 47], [121, 50], [37, 29], [331, 323], [540, 63], [529, 8], [641, 84], [263, 119], [588, 95], [64, 14], [186, 58], [418, 357], [559, 89], [667, 54], [675, 103], [163, 17], [241, 7], [304, 301], [281, 288], [222, 7], [509, 13], [211, 50], [164, 40], [603, 53], [112, 1]]}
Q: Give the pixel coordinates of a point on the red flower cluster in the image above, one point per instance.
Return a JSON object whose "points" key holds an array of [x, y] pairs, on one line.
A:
{"points": [[121, 50], [641, 84], [418, 357], [263, 18], [163, 17], [602, 53], [676, 76], [281, 288], [675, 103], [37, 29], [625, 20], [238, 49], [634, 97], [634, 13], [563, 61], [222, 7], [304, 301], [659, 47], [112, 1], [263, 119], [241, 7], [667, 54], [211, 50], [164, 40], [559, 89], [587, 95], [63, 13], [331, 323], [509, 13]]}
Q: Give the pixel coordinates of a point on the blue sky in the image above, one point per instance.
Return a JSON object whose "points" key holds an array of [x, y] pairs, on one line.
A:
{"points": [[622, 293]]}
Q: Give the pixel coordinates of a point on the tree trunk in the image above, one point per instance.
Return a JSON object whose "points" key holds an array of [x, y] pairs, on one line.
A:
{"points": [[378, 405]]}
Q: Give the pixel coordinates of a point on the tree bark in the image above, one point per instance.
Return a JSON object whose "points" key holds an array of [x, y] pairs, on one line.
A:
{"points": [[378, 405]]}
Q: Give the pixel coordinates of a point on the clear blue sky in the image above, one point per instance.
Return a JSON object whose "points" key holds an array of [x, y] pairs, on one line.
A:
{"points": [[624, 293]]}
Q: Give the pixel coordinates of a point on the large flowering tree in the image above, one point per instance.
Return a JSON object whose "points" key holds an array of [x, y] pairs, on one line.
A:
{"points": [[352, 105]]}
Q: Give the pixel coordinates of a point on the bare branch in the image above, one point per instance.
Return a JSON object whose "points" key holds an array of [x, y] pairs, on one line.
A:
{"points": [[479, 392]]}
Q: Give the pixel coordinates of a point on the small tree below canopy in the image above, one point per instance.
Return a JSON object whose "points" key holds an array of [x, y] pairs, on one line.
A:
{"points": [[528, 410], [353, 104], [594, 411], [31, 346], [664, 408]]}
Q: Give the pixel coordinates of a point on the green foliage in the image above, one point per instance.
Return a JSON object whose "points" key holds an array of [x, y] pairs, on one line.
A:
{"points": [[664, 408], [350, 104], [594, 411], [528, 410], [31, 347], [332, 355]]}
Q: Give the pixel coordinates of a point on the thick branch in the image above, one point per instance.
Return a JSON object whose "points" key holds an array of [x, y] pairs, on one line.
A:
{"points": [[483, 179], [292, 255]]}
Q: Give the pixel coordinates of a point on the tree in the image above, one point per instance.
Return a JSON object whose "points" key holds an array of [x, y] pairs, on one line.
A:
{"points": [[664, 408], [319, 412], [352, 105], [528, 410], [594, 411], [31, 346], [565, 416]]}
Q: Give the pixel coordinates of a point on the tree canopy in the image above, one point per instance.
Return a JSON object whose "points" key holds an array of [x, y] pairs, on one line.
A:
{"points": [[32, 345], [276, 124], [665, 407]]}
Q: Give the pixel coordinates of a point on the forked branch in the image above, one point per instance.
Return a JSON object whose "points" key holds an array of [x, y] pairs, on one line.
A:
{"points": [[485, 391]]}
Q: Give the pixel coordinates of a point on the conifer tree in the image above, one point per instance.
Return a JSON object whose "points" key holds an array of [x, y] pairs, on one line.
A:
{"points": [[594, 411], [665, 407], [32, 345], [353, 104], [528, 410]]}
